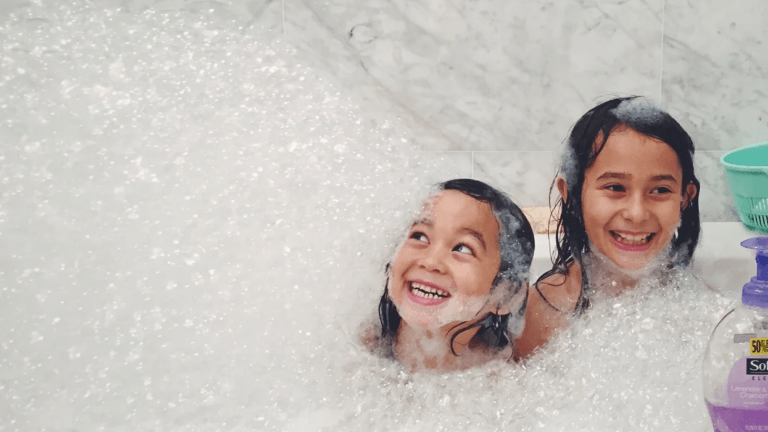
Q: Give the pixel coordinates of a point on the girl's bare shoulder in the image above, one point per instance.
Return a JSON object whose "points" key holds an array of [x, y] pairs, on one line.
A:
{"points": [[370, 339], [369, 335], [559, 291], [551, 301]]}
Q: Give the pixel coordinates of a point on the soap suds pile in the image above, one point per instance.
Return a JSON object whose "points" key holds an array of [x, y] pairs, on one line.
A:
{"points": [[194, 221]]}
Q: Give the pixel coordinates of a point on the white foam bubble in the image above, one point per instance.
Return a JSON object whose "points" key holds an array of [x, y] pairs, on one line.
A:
{"points": [[205, 214], [639, 109], [650, 341]]}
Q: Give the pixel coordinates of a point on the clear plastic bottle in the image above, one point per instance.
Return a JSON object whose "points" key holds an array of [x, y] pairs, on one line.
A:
{"points": [[735, 368]]}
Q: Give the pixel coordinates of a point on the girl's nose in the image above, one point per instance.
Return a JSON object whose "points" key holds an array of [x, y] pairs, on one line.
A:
{"points": [[433, 260], [635, 208]]}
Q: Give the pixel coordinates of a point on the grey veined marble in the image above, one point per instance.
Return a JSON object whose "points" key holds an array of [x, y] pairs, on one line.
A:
{"points": [[715, 77], [497, 77], [505, 80]]}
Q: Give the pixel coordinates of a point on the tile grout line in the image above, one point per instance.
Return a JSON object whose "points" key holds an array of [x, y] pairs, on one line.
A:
{"points": [[661, 68], [472, 152], [283, 4], [486, 151]]}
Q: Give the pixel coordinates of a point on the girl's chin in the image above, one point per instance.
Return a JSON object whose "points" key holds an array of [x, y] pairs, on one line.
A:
{"points": [[635, 261], [624, 260], [419, 322], [420, 319], [632, 265], [455, 310], [418, 325]]}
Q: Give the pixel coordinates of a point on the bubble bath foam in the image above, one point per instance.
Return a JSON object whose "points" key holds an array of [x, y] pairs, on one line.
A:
{"points": [[735, 368]]}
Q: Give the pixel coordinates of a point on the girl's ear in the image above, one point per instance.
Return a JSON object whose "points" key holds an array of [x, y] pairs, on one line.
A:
{"points": [[690, 193], [562, 187]]}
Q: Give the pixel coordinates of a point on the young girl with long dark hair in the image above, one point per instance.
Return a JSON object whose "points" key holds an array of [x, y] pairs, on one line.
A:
{"points": [[628, 207], [455, 290]]}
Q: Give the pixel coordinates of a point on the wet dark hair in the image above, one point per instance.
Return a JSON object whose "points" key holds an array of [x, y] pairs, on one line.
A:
{"points": [[516, 248], [572, 242]]}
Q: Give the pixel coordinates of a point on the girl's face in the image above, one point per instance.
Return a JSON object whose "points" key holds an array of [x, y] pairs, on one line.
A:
{"points": [[443, 272], [632, 198]]}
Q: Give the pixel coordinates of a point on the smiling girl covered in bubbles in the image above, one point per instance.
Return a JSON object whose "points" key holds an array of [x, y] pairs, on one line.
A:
{"points": [[454, 296], [628, 209]]}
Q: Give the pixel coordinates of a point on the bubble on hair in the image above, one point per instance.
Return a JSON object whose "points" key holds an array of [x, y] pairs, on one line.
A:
{"points": [[638, 110], [569, 165], [510, 288], [510, 249]]}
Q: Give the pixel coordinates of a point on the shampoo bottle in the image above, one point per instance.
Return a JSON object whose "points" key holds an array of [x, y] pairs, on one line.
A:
{"points": [[735, 368]]}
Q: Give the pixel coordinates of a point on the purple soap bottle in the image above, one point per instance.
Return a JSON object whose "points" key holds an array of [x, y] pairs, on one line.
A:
{"points": [[735, 368]]}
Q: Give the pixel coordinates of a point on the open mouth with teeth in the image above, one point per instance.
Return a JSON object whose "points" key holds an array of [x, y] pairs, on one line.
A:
{"points": [[426, 295], [632, 242]]}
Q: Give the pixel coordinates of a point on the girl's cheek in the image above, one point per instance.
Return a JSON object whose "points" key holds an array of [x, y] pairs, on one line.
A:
{"points": [[481, 287]]}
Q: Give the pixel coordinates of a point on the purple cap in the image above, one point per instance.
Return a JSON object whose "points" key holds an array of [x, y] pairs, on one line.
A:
{"points": [[755, 292]]}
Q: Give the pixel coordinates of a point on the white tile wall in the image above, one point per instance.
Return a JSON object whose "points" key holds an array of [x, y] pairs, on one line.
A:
{"points": [[504, 80]]}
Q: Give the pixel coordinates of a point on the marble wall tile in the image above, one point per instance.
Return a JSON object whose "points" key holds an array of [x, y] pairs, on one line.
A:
{"points": [[452, 164], [501, 75], [525, 175], [507, 79], [716, 202], [7, 7], [302, 29], [715, 74]]}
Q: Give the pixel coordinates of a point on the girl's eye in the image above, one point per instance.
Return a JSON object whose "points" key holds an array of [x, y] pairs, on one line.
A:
{"points": [[420, 236], [662, 190], [462, 248], [615, 188]]}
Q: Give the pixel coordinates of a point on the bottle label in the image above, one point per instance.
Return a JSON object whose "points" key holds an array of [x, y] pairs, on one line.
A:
{"points": [[758, 346], [747, 408], [726, 419], [748, 383]]}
